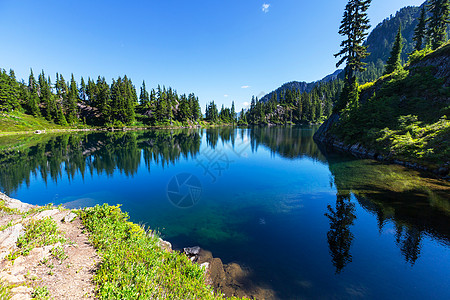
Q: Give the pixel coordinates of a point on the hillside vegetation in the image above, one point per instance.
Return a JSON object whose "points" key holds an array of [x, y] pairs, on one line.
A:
{"points": [[17, 121], [402, 115]]}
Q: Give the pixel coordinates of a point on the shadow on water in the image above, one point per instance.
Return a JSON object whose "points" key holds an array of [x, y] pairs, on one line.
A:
{"points": [[416, 205]]}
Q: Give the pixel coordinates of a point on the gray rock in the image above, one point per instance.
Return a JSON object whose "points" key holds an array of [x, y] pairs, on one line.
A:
{"points": [[205, 266], [46, 213], [8, 238], [15, 204], [165, 245], [192, 251], [69, 217]]}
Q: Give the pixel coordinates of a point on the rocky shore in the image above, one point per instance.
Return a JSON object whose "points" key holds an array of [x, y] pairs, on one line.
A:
{"points": [[42, 270], [328, 140]]}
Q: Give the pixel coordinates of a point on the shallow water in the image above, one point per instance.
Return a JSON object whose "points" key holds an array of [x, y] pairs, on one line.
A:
{"points": [[307, 222]]}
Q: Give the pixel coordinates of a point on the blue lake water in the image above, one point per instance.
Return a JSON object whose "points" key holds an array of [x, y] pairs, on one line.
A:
{"points": [[306, 221]]}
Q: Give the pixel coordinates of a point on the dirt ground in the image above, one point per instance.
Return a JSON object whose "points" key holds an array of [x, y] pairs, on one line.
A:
{"points": [[67, 277]]}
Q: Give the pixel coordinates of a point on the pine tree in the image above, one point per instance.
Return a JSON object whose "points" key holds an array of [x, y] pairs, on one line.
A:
{"points": [[144, 96], [47, 97], [420, 31], [394, 62], [161, 105], [233, 113], [83, 90], [437, 23], [299, 109], [101, 98], [72, 99], [354, 26], [33, 97]]}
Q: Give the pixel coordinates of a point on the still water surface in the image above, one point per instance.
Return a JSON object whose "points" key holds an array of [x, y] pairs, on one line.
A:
{"points": [[307, 222]]}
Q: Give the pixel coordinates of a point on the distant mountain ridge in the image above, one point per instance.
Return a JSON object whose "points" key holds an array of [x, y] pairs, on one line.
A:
{"points": [[379, 43], [302, 86]]}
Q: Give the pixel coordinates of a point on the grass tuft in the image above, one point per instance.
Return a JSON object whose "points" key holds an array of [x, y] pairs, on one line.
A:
{"points": [[38, 233]]}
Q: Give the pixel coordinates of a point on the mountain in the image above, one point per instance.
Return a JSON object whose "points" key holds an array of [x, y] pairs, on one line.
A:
{"points": [[379, 43], [301, 86]]}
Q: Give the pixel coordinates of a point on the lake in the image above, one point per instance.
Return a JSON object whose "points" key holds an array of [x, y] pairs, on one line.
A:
{"points": [[307, 222]]}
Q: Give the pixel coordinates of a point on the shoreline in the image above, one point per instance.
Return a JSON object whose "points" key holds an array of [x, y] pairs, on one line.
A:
{"points": [[359, 151], [229, 280]]}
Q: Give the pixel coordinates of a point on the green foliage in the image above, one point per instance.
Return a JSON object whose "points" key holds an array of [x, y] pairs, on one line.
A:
{"points": [[437, 22], [41, 293], [394, 62], [354, 26], [5, 290], [38, 233], [7, 210], [406, 117], [418, 55], [59, 253], [9, 92], [420, 30], [134, 266], [95, 103]]}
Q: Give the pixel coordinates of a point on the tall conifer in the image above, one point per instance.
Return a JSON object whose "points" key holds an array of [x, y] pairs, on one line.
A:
{"points": [[437, 23], [420, 31], [394, 62]]}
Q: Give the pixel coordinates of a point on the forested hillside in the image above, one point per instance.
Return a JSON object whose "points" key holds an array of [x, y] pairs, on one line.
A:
{"points": [[379, 44], [401, 116], [95, 102]]}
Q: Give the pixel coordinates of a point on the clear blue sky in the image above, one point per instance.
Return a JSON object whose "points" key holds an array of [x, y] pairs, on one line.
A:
{"points": [[221, 50]]}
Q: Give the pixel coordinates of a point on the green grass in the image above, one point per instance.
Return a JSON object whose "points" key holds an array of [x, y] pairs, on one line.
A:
{"points": [[134, 266], [41, 293], [5, 290], [7, 210], [17, 122], [38, 233]]}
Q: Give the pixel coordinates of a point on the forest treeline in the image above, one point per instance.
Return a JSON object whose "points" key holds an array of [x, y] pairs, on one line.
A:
{"points": [[96, 102], [421, 29], [99, 103]]}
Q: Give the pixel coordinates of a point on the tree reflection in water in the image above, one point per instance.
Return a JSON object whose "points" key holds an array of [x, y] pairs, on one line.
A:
{"points": [[339, 236]]}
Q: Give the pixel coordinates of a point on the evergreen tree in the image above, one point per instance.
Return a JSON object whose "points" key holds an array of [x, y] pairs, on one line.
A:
{"points": [[354, 26], [420, 31], [437, 23], [144, 96], [72, 99], [394, 62], [299, 109], [9, 91], [161, 105], [101, 98], [233, 113], [195, 110], [83, 90], [33, 97], [47, 97], [91, 92], [184, 110]]}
